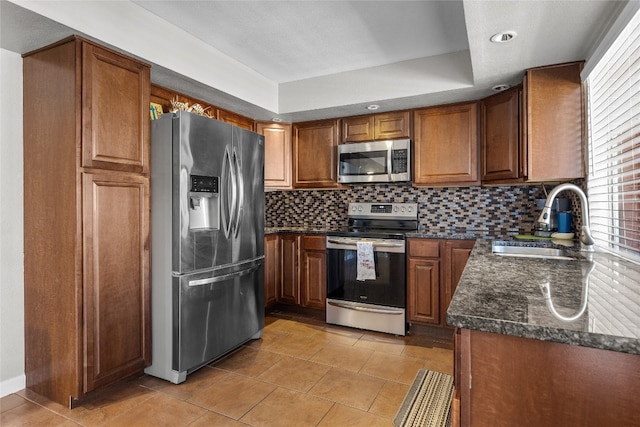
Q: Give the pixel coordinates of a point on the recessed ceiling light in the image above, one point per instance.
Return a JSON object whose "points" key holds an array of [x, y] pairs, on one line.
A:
{"points": [[276, 119], [500, 88], [373, 107], [503, 37]]}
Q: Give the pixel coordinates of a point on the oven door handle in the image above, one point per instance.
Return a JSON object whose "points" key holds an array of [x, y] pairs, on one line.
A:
{"points": [[348, 306], [379, 245]]}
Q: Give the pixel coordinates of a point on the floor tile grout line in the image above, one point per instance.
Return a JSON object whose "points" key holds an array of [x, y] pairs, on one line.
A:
{"points": [[374, 344]]}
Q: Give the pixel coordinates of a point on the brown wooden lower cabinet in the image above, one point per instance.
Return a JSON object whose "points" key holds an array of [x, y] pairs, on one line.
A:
{"points": [[314, 271], [511, 381], [295, 269], [456, 254], [271, 269], [434, 267], [290, 268], [423, 284], [116, 277]]}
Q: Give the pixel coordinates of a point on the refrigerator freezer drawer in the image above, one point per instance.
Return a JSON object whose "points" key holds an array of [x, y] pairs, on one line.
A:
{"points": [[215, 315]]}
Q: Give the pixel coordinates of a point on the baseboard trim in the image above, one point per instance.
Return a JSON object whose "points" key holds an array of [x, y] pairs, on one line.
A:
{"points": [[12, 385]]}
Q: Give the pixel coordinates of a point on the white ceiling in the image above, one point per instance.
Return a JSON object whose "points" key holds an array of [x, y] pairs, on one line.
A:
{"points": [[288, 41], [318, 59]]}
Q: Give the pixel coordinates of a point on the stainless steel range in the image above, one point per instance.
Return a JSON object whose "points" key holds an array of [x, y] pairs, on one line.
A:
{"points": [[366, 267]]}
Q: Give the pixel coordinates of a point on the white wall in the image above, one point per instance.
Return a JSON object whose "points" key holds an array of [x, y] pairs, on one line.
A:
{"points": [[12, 376]]}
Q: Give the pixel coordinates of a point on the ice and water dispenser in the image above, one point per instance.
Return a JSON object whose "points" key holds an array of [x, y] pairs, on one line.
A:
{"points": [[204, 203]]}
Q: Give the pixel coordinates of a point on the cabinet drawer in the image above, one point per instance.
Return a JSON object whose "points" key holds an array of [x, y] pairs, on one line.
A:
{"points": [[424, 248], [314, 242]]}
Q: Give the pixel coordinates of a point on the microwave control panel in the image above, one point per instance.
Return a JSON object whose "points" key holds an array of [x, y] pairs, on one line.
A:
{"points": [[399, 161]]}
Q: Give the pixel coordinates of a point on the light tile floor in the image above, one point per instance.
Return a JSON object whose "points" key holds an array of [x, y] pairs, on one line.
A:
{"points": [[303, 372]]}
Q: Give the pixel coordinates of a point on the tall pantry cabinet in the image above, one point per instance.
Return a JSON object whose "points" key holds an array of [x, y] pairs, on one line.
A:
{"points": [[86, 218]]}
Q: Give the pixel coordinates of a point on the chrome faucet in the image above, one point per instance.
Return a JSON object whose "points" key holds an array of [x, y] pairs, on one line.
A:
{"points": [[544, 220]]}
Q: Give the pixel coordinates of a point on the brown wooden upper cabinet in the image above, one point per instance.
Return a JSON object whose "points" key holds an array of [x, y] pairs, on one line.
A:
{"points": [[315, 154], [501, 153], [164, 96], [535, 133], [446, 145], [554, 122], [277, 154], [235, 119], [115, 111], [377, 127]]}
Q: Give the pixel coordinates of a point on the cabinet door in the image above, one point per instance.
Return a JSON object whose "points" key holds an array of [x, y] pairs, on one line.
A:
{"points": [[290, 262], [456, 254], [314, 274], [315, 154], [314, 279], [392, 125], [271, 269], [277, 154], [357, 129], [446, 145], [234, 119], [500, 150], [115, 111], [377, 127], [555, 130], [423, 293], [116, 278]]}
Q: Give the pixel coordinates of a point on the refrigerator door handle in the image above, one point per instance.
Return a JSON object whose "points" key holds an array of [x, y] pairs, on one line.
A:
{"points": [[229, 203], [224, 277], [240, 189]]}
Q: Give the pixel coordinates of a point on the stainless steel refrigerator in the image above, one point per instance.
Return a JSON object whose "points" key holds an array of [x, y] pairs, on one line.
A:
{"points": [[207, 241]]}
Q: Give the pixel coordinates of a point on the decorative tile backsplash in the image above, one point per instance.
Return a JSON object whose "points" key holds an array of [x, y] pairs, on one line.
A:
{"points": [[495, 211]]}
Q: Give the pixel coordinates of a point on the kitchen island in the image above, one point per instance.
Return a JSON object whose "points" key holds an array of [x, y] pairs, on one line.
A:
{"points": [[546, 342]]}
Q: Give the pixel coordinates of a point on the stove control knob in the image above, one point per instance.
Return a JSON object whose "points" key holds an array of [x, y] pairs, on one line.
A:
{"points": [[395, 209], [409, 209], [354, 208], [359, 208]]}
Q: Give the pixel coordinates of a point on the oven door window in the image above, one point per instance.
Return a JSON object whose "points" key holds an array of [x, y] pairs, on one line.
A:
{"points": [[364, 163], [387, 289]]}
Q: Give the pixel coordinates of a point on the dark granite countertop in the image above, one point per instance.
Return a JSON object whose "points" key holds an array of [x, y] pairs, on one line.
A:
{"points": [[296, 229], [453, 234], [592, 303]]}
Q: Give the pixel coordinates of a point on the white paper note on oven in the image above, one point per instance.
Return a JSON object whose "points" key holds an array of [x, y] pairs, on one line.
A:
{"points": [[366, 264]]}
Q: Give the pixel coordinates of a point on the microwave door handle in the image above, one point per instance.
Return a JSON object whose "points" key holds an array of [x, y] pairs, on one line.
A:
{"points": [[389, 162]]}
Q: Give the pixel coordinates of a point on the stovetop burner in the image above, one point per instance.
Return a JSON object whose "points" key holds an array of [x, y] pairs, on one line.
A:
{"points": [[380, 220]]}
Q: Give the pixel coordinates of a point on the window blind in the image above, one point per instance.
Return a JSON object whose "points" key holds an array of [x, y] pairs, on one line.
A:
{"points": [[613, 183]]}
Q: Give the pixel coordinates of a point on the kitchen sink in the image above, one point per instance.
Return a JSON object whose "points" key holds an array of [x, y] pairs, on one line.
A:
{"points": [[504, 249]]}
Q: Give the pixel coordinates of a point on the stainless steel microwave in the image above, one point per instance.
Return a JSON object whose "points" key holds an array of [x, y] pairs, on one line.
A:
{"points": [[377, 161]]}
